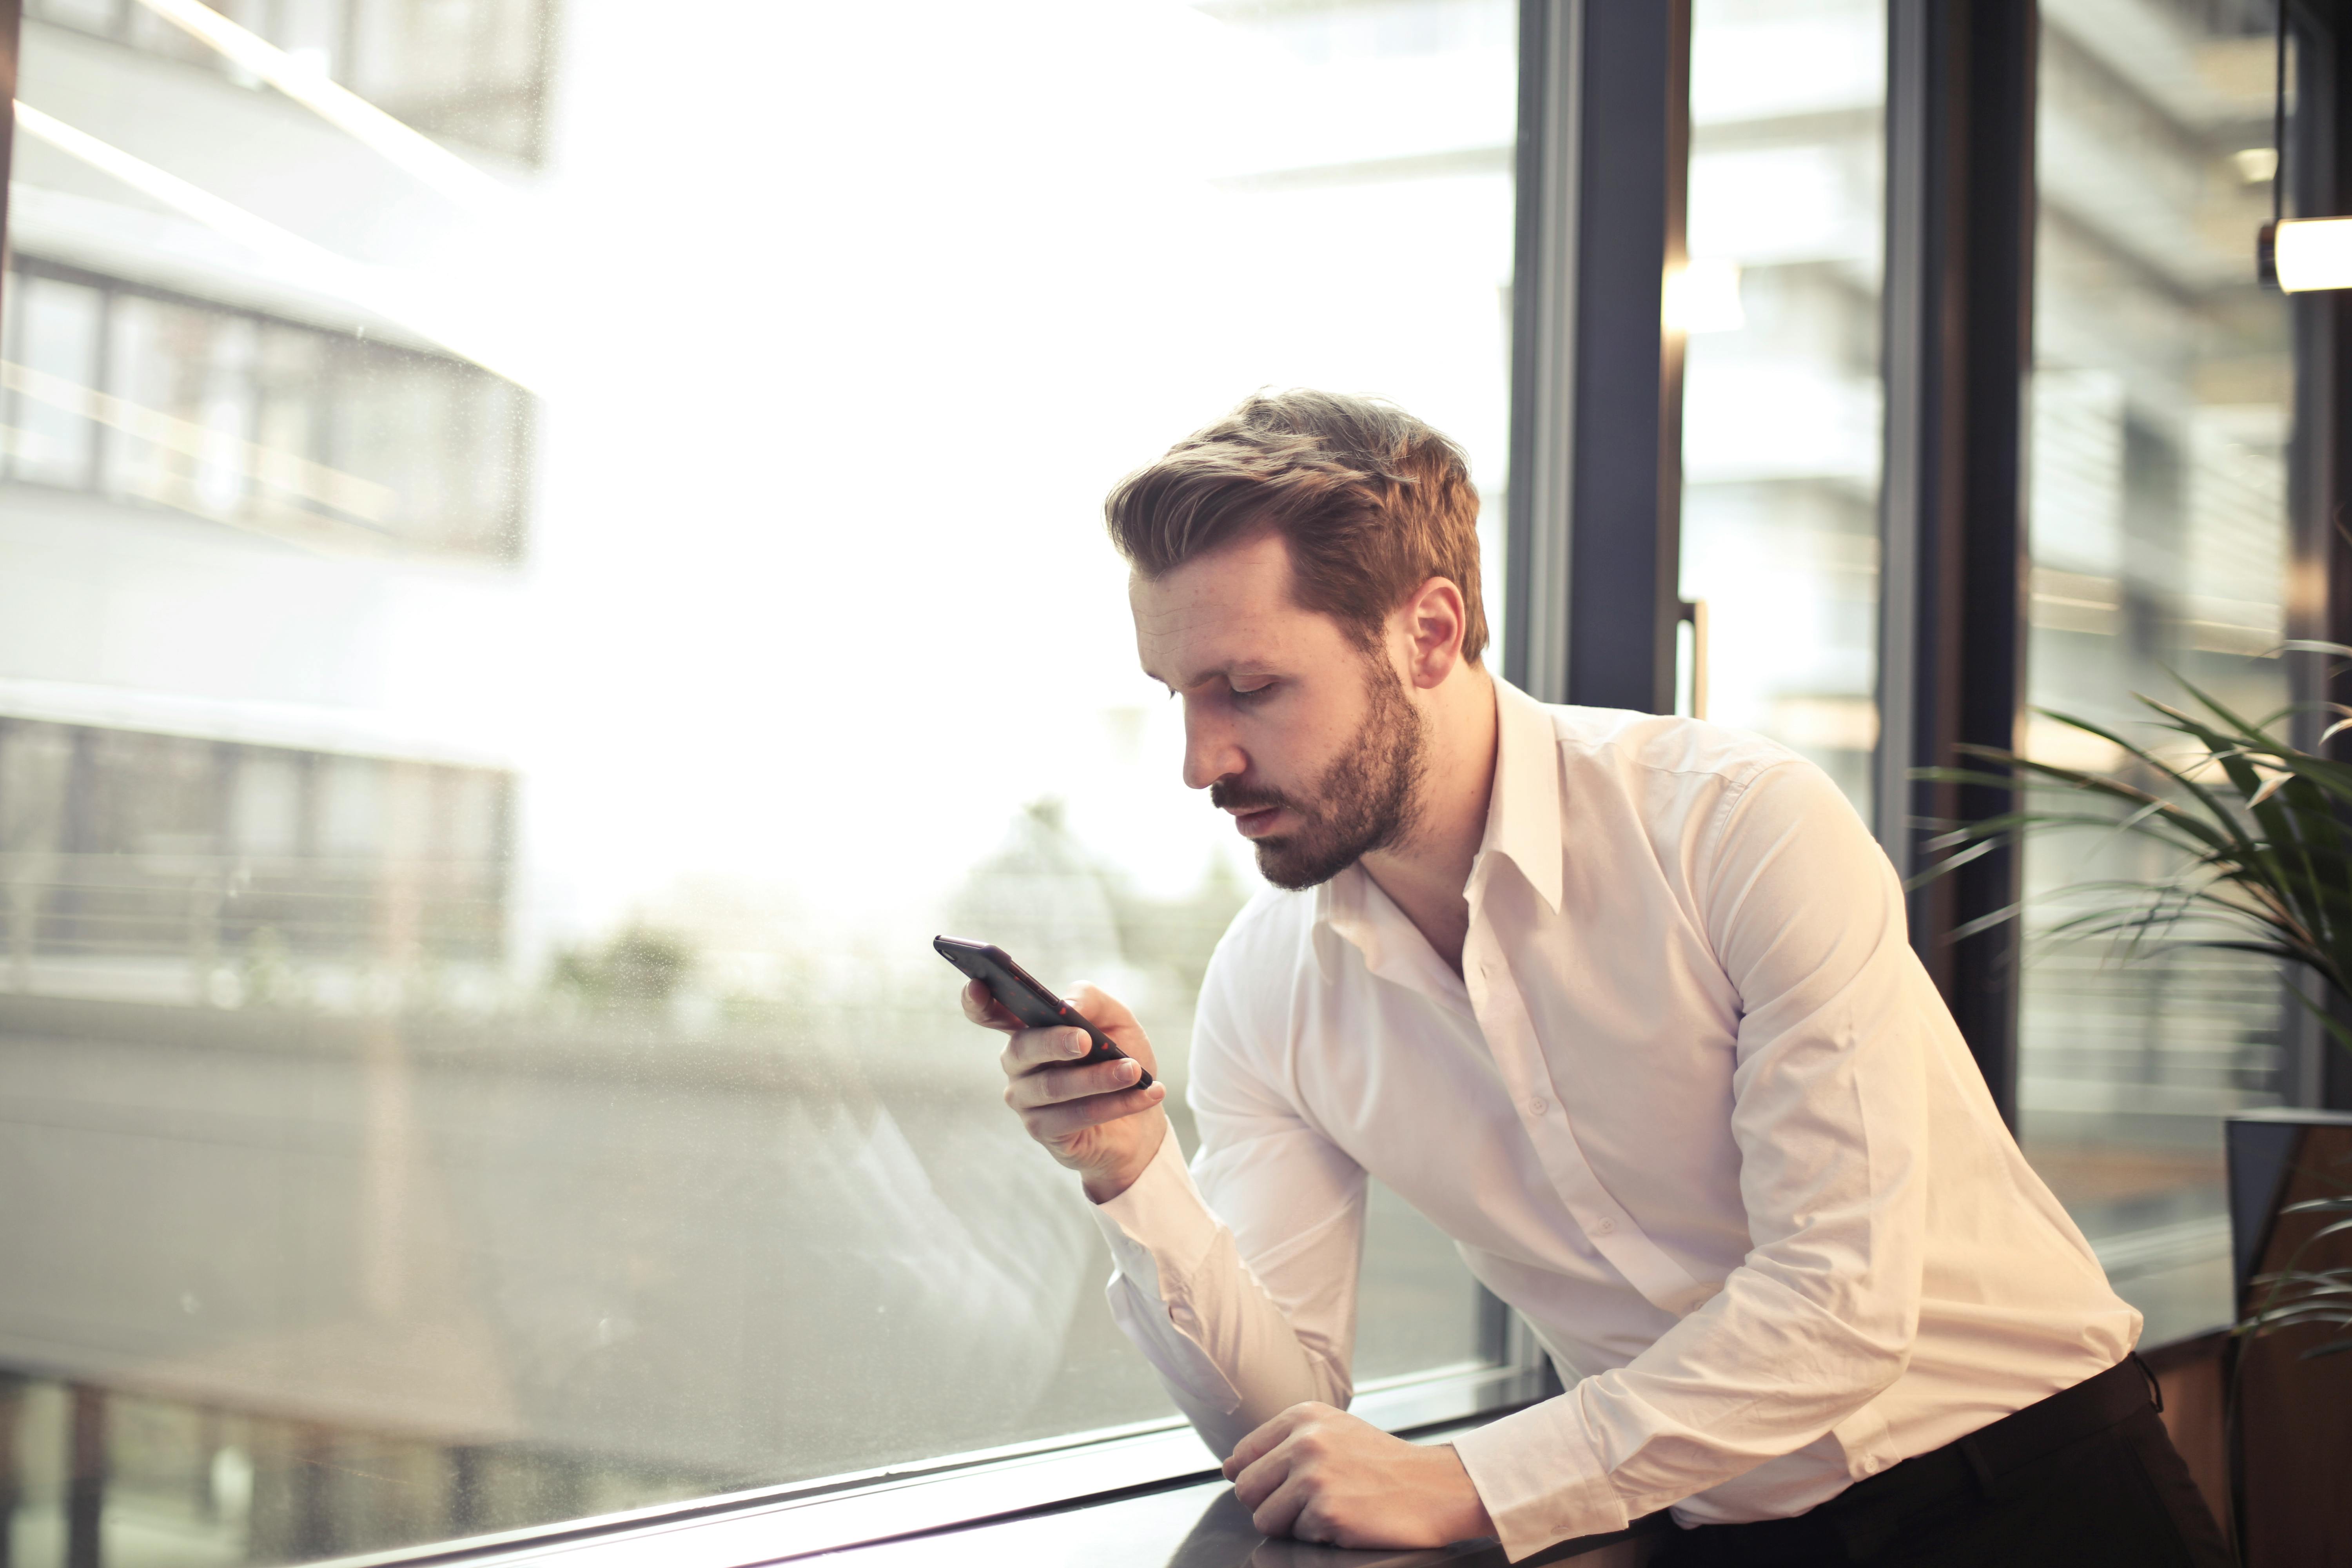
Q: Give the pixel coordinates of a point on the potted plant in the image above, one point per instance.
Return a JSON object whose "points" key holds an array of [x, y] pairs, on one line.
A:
{"points": [[2254, 838]]}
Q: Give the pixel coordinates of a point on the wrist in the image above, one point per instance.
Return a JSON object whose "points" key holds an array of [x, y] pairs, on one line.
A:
{"points": [[1101, 1186], [1469, 1515]]}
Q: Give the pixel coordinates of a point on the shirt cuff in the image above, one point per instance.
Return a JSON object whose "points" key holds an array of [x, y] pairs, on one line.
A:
{"points": [[1161, 1237], [1540, 1477], [1160, 1229]]}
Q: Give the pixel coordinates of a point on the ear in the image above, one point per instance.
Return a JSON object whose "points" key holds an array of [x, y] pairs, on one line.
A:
{"points": [[1431, 625]]}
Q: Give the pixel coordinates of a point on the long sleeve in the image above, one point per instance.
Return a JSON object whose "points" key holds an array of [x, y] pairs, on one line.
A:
{"points": [[1829, 1115], [1249, 1308]]}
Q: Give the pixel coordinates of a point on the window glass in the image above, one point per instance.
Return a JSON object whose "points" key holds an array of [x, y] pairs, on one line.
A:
{"points": [[496, 697], [2157, 453], [51, 365], [1780, 385]]}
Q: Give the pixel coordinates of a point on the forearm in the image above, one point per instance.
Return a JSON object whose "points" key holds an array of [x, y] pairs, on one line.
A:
{"points": [[1758, 1373], [1229, 1355]]}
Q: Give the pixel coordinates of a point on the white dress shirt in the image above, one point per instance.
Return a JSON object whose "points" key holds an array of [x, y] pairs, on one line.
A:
{"points": [[1693, 1109]]}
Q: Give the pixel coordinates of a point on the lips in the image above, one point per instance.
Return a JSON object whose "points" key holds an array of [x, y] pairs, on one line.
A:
{"points": [[1254, 813]]}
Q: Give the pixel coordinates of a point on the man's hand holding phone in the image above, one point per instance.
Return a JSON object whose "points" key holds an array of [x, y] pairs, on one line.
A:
{"points": [[1089, 1116]]}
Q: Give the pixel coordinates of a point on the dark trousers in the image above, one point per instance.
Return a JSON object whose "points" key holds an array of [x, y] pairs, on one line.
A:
{"points": [[2086, 1478]]}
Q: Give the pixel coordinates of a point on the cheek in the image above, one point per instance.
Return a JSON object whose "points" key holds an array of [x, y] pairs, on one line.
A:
{"points": [[1305, 741], [1282, 760]]}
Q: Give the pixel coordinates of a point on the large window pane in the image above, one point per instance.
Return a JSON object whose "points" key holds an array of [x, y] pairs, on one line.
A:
{"points": [[1781, 403], [496, 699], [2160, 408]]}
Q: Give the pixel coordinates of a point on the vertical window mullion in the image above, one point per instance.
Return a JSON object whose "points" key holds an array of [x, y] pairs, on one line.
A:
{"points": [[1958, 301]]}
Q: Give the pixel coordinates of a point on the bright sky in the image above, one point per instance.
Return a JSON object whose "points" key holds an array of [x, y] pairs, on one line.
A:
{"points": [[857, 317]]}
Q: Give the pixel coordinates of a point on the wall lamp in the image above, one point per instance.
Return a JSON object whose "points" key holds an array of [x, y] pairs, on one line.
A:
{"points": [[2302, 254], [2297, 255]]}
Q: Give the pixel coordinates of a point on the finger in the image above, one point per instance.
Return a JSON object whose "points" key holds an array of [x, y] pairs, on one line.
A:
{"points": [[1280, 1513], [1052, 1123], [1262, 1476], [1033, 1048], [1053, 1086], [1263, 1439], [1105, 1010], [980, 1005]]}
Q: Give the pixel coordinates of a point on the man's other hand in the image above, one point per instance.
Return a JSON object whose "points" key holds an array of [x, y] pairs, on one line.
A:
{"points": [[1092, 1119], [1314, 1473]]}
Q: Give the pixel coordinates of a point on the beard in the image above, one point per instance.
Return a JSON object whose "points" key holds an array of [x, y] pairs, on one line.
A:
{"points": [[1368, 799]]}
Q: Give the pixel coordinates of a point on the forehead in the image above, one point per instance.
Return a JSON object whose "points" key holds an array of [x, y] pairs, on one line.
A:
{"points": [[1228, 610]]}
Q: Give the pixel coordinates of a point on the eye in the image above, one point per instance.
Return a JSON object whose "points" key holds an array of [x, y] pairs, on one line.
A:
{"points": [[1253, 694]]}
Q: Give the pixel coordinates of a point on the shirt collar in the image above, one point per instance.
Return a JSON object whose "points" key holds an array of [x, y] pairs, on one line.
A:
{"points": [[1523, 813], [1523, 826]]}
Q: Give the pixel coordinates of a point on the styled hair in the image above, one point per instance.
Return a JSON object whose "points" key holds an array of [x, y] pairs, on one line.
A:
{"points": [[1372, 502]]}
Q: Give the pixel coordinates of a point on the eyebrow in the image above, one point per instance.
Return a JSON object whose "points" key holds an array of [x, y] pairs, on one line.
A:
{"points": [[1228, 670]]}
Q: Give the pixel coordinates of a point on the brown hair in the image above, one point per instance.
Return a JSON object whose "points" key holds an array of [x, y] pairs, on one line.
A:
{"points": [[1371, 501]]}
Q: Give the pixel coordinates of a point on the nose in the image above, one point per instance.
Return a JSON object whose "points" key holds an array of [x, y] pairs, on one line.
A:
{"points": [[1210, 753]]}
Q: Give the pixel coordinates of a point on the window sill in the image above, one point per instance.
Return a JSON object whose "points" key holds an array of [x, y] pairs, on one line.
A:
{"points": [[1143, 1487]]}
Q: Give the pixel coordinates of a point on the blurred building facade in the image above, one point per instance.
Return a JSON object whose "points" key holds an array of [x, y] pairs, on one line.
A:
{"points": [[244, 513], [236, 508]]}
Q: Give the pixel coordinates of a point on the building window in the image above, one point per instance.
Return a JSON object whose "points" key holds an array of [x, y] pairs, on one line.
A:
{"points": [[165, 869], [325, 438]]}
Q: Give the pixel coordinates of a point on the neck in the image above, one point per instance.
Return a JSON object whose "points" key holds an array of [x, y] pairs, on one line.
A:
{"points": [[1427, 873]]}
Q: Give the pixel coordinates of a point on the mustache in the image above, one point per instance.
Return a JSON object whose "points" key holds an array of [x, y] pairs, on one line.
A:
{"points": [[1226, 795]]}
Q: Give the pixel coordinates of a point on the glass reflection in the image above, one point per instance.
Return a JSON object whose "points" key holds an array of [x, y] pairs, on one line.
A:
{"points": [[2157, 491]]}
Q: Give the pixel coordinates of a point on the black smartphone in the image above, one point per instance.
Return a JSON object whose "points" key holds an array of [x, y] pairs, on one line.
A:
{"points": [[1018, 991]]}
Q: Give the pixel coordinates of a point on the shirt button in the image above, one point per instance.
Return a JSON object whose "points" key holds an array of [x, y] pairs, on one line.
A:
{"points": [[1537, 1107], [1604, 1227]]}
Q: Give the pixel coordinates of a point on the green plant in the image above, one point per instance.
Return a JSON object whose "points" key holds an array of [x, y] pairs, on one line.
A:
{"points": [[2297, 1296], [2256, 837]]}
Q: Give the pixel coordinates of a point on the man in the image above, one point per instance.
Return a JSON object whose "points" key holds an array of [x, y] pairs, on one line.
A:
{"points": [[1623, 1002]]}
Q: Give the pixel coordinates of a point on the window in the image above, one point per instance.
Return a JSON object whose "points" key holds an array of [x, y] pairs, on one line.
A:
{"points": [[163, 867], [307, 434], [476, 1061], [2157, 493], [1781, 434]]}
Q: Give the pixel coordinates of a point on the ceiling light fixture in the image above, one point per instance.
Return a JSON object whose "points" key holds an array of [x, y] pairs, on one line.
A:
{"points": [[2296, 255]]}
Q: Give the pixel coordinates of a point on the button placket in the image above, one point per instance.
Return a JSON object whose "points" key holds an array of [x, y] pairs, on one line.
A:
{"points": [[1503, 1015]]}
